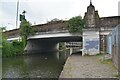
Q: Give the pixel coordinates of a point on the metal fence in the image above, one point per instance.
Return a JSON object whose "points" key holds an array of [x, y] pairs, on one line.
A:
{"points": [[115, 44]]}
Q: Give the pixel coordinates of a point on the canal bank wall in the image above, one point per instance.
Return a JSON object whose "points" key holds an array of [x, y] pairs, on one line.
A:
{"points": [[78, 66]]}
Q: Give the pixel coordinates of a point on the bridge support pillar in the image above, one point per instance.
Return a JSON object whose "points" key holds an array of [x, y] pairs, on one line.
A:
{"points": [[58, 46], [90, 42]]}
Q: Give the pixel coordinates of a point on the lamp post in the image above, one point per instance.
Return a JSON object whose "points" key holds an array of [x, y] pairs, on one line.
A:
{"points": [[17, 13]]}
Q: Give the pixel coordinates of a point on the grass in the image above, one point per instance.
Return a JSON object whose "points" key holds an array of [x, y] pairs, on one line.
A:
{"points": [[103, 60], [108, 61], [98, 55], [116, 75]]}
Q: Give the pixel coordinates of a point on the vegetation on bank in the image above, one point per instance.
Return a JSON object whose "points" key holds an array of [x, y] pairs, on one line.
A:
{"points": [[9, 48], [16, 47], [0, 42], [12, 49], [62, 46]]}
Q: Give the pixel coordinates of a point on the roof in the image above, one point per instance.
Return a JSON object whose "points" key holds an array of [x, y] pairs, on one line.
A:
{"points": [[111, 17]]}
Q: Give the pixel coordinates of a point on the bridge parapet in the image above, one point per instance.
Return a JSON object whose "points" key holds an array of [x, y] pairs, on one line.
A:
{"points": [[58, 34], [52, 32]]}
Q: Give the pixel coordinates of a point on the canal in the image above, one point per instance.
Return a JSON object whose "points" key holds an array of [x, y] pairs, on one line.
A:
{"points": [[42, 65]]}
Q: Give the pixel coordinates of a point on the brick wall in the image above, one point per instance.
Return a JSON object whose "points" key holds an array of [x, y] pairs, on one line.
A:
{"points": [[12, 33], [109, 21], [50, 26], [41, 27]]}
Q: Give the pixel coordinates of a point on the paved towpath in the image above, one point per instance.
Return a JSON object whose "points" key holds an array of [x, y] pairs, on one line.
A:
{"points": [[78, 66]]}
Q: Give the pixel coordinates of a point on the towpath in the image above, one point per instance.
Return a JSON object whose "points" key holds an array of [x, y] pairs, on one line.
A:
{"points": [[78, 66]]}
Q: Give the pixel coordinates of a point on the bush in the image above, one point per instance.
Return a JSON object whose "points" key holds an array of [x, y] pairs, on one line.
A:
{"points": [[18, 46], [7, 49], [12, 49]]}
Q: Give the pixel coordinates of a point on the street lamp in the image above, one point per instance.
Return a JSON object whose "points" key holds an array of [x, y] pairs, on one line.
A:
{"points": [[17, 13]]}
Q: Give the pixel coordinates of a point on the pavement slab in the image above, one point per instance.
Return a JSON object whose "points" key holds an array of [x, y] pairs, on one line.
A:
{"points": [[78, 66]]}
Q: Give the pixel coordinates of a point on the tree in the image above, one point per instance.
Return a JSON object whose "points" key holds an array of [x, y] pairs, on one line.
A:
{"points": [[2, 36], [25, 30], [2, 29], [8, 49], [75, 24]]}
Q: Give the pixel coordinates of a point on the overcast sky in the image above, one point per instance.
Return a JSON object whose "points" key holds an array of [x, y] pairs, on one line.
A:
{"points": [[41, 11]]}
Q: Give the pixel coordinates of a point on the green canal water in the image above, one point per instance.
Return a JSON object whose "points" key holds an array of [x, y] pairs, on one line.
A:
{"points": [[42, 65]]}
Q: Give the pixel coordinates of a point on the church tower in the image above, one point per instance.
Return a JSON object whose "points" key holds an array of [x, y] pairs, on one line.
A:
{"points": [[91, 18]]}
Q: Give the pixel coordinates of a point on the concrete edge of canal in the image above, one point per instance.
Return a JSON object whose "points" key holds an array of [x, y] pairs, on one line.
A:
{"points": [[62, 72]]}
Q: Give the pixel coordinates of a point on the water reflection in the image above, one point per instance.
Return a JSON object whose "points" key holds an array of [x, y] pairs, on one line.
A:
{"points": [[45, 65]]}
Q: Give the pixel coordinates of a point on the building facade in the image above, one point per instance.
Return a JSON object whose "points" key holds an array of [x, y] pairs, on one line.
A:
{"points": [[93, 23]]}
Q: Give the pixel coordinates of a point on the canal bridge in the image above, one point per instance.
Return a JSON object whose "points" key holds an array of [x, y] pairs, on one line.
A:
{"points": [[49, 41]]}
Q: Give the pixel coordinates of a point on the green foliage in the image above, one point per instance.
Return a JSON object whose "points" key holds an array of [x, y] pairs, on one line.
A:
{"points": [[107, 61], [61, 46], [2, 29], [0, 42], [19, 49], [75, 24], [25, 30], [8, 49], [11, 49]]}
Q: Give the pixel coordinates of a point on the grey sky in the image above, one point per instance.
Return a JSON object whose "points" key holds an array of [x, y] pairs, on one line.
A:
{"points": [[41, 11]]}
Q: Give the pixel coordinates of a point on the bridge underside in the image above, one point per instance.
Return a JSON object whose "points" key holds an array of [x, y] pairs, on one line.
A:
{"points": [[39, 45]]}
